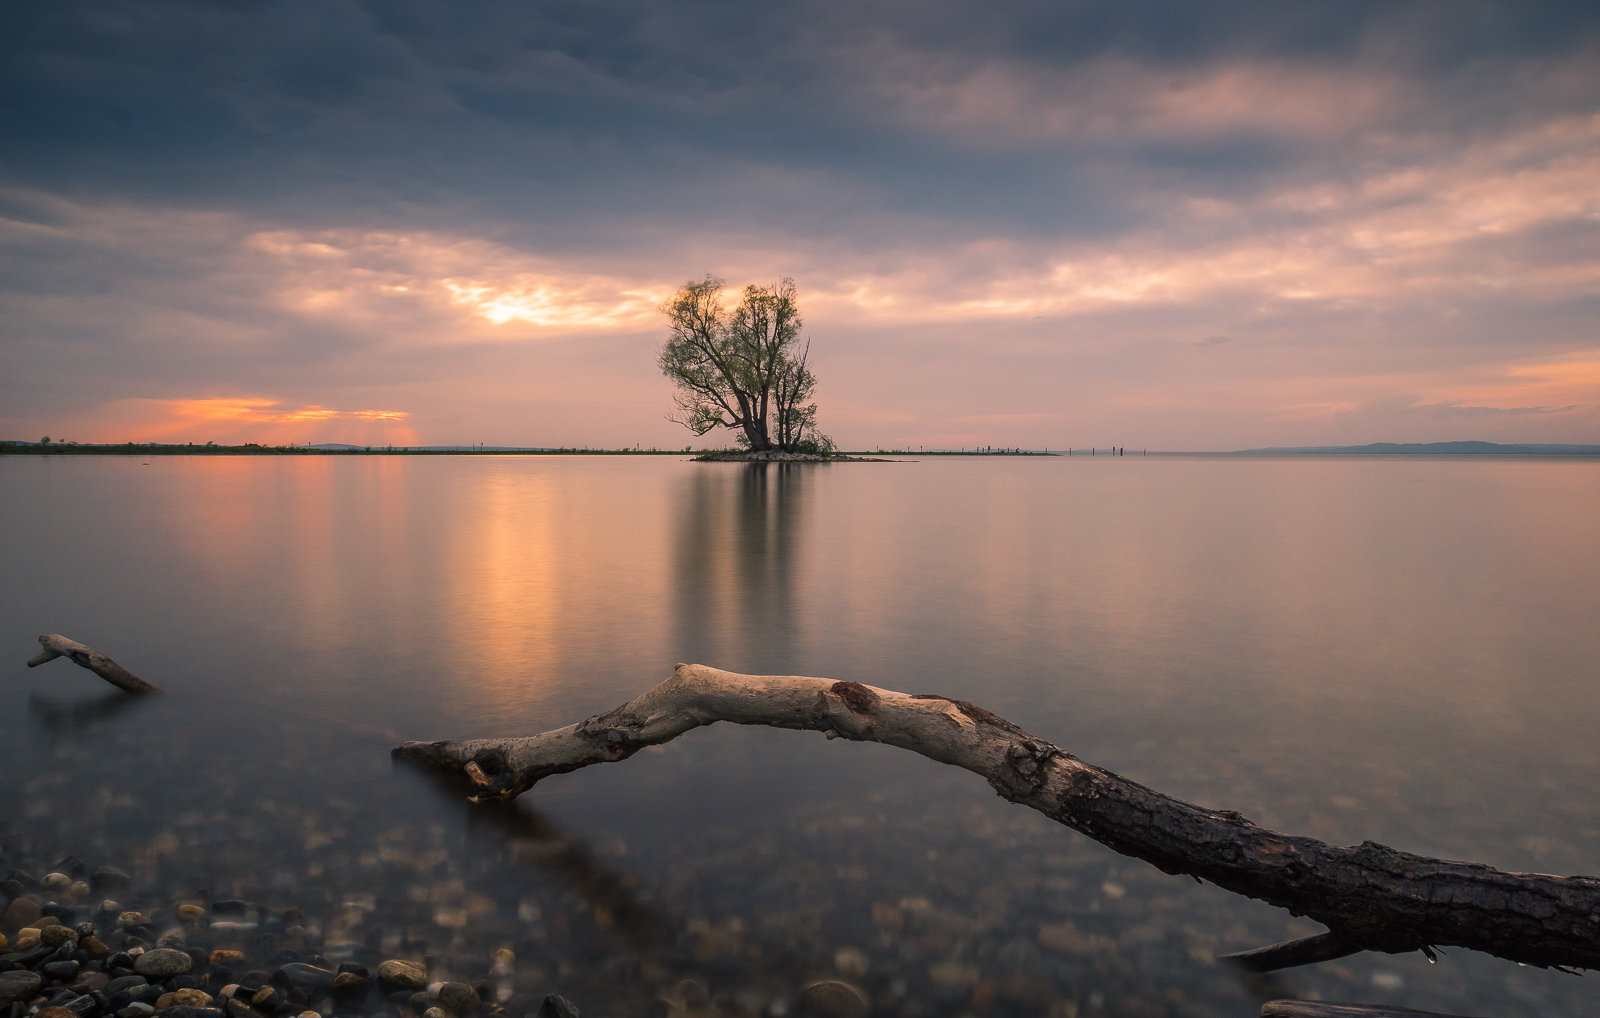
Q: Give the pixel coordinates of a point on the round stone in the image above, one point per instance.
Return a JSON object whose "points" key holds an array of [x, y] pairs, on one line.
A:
{"points": [[56, 882], [163, 963], [833, 999], [18, 984], [190, 913], [21, 912], [222, 956], [307, 976], [408, 974], [459, 997], [110, 878], [191, 997], [55, 936]]}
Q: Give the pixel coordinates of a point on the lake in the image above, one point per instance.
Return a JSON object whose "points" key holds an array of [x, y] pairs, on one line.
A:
{"points": [[1403, 649]]}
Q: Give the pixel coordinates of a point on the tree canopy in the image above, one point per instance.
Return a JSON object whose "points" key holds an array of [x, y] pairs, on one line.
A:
{"points": [[742, 369]]}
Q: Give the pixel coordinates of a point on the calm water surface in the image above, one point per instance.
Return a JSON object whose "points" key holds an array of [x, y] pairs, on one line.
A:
{"points": [[1403, 650]]}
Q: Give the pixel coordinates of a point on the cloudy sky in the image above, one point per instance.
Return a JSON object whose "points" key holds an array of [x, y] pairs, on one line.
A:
{"points": [[1164, 225]]}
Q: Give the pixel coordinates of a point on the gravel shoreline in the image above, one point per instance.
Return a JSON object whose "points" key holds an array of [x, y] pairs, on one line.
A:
{"points": [[70, 949]]}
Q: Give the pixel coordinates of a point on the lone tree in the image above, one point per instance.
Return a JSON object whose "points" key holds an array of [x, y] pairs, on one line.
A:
{"points": [[744, 369]]}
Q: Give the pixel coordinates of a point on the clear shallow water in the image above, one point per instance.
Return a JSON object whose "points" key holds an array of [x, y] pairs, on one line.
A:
{"points": [[1403, 650]]}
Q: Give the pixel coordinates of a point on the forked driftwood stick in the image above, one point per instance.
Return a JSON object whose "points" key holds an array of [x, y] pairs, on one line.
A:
{"points": [[1371, 897], [56, 646]]}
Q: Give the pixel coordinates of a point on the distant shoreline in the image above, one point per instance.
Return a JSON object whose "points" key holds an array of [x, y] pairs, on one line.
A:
{"points": [[1375, 449]]}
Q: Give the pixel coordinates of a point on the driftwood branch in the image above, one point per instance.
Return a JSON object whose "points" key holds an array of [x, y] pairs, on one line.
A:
{"points": [[1318, 1009], [1307, 951], [1371, 897], [56, 646]]}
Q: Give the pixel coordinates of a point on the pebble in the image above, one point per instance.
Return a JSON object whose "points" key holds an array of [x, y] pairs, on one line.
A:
{"points": [[434, 1012], [557, 1006], [132, 984], [307, 976], [110, 878], [459, 997], [190, 913], [350, 984], [93, 946], [267, 998], [190, 997], [18, 984], [163, 963], [55, 882], [222, 956], [62, 970], [129, 920], [54, 1012], [407, 974], [138, 1009], [55, 936], [851, 962], [21, 912], [833, 999]]}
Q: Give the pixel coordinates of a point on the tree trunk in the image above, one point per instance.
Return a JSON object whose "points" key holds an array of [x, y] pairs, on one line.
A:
{"points": [[1371, 897]]}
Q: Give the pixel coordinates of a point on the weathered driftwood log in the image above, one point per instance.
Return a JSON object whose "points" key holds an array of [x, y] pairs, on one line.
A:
{"points": [[1371, 897], [56, 646], [1319, 1009]]}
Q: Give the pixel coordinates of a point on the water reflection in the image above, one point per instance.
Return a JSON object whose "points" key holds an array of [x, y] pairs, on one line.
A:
{"points": [[739, 536], [57, 715]]}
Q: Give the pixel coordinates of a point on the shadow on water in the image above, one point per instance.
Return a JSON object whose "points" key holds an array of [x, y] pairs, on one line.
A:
{"points": [[59, 715], [737, 551], [524, 836]]}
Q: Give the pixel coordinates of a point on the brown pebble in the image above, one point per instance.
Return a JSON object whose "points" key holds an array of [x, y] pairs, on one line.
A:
{"points": [[190, 913], [96, 950], [165, 1001], [20, 913], [833, 999], [404, 974], [191, 997], [459, 997], [55, 936], [54, 1012], [222, 956]]}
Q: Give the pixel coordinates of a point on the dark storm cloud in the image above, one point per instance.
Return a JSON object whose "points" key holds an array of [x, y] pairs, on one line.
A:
{"points": [[564, 113]]}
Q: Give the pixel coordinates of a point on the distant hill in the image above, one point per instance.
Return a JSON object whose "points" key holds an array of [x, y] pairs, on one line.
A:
{"points": [[1431, 449]]}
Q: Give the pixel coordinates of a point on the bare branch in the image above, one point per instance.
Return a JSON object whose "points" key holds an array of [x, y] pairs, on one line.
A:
{"points": [[1370, 896], [86, 657]]}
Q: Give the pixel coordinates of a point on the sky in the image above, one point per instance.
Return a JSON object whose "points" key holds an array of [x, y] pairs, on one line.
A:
{"points": [[1160, 225]]}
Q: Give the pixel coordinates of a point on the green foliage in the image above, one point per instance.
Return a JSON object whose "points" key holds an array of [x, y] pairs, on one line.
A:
{"points": [[742, 369]]}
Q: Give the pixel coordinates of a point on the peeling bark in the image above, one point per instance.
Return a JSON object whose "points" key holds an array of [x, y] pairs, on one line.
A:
{"points": [[87, 657], [1371, 897]]}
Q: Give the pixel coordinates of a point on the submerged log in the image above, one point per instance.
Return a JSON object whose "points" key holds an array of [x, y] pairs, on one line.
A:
{"points": [[87, 657], [1319, 1009], [1371, 897]]}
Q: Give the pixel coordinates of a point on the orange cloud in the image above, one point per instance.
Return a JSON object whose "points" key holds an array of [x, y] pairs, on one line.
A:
{"points": [[1550, 387], [232, 421]]}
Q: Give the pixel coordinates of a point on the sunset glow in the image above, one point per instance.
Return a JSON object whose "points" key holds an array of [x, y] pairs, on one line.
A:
{"points": [[1227, 247]]}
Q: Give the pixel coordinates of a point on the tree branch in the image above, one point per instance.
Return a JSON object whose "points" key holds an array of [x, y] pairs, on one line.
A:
{"points": [[1370, 896], [1306, 951], [87, 657]]}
